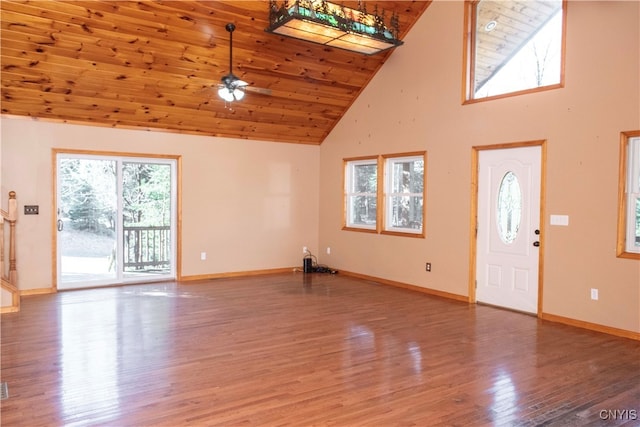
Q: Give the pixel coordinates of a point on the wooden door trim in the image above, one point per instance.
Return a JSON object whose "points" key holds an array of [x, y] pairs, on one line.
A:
{"points": [[119, 154], [473, 217]]}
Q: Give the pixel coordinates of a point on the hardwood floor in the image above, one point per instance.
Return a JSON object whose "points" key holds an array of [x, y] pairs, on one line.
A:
{"points": [[301, 350]]}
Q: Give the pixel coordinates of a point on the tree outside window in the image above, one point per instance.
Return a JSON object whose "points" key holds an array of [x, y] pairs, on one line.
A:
{"points": [[361, 190]]}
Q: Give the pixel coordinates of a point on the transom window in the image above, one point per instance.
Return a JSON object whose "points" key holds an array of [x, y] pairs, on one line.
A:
{"points": [[629, 196], [513, 47], [395, 181]]}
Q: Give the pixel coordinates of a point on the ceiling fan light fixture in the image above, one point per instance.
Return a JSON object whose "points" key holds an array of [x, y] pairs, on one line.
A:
{"points": [[326, 23], [226, 94], [231, 87], [238, 94], [230, 94]]}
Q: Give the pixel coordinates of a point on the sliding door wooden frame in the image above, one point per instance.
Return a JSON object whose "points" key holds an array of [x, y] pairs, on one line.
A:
{"points": [[54, 202]]}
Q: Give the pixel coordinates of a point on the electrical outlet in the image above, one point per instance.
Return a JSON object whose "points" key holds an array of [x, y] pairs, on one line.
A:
{"points": [[594, 294], [328, 250], [427, 267], [203, 256], [305, 250]]}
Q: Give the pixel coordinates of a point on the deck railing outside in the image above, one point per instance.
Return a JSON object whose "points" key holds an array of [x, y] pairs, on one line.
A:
{"points": [[147, 248]]}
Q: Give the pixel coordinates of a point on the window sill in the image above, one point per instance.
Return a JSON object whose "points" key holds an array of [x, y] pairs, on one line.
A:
{"points": [[362, 230], [419, 235]]}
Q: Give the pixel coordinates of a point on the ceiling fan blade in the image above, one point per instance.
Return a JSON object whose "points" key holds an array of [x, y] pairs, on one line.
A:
{"points": [[207, 89], [259, 90]]}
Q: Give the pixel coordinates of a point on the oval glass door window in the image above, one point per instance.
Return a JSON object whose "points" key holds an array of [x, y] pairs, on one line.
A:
{"points": [[509, 207]]}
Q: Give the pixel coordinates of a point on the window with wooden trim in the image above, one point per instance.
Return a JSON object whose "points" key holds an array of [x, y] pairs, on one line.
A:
{"points": [[629, 196], [513, 47], [404, 182], [361, 193], [385, 194]]}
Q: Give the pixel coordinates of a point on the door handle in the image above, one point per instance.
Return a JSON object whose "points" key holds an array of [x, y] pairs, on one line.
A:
{"points": [[536, 244], [60, 225]]}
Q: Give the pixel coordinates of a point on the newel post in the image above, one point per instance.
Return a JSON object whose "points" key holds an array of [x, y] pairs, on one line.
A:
{"points": [[13, 215]]}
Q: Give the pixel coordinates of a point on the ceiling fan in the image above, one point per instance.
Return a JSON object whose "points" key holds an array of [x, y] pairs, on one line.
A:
{"points": [[232, 88]]}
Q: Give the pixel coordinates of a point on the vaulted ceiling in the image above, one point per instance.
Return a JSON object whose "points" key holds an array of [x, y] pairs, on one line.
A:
{"points": [[157, 65]]}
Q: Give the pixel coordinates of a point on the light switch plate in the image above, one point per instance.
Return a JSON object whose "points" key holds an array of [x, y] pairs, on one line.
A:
{"points": [[31, 209], [560, 220]]}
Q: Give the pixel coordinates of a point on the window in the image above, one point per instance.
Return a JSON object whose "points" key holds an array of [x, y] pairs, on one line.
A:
{"points": [[361, 193], [395, 181], [404, 193], [629, 196], [513, 47], [509, 209]]}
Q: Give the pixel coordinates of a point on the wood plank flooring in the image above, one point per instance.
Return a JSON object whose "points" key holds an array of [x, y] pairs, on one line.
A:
{"points": [[304, 350]]}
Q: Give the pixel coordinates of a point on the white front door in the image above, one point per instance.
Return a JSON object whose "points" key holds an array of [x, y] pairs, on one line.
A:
{"points": [[508, 221]]}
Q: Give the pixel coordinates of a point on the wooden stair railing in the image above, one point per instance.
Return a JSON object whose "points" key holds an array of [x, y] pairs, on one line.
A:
{"points": [[10, 280]]}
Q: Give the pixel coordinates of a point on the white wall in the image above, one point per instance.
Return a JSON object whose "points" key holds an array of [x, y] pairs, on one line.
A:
{"points": [[250, 205], [414, 103]]}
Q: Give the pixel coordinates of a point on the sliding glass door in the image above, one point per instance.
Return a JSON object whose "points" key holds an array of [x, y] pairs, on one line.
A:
{"points": [[115, 220]]}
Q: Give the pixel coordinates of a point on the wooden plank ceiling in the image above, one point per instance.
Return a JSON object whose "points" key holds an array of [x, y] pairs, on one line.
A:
{"points": [[157, 65]]}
